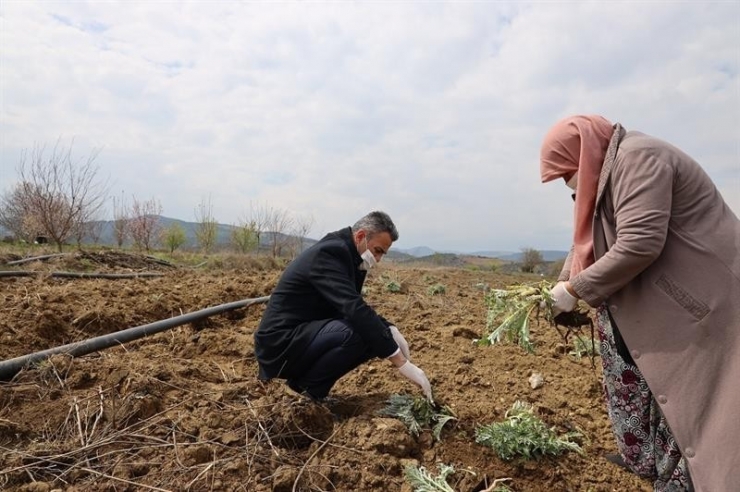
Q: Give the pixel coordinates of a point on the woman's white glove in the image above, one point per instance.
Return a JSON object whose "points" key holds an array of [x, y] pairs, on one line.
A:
{"points": [[416, 375], [402, 343], [563, 301]]}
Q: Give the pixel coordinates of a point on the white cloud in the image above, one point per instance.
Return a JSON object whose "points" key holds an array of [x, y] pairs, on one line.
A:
{"points": [[431, 111]]}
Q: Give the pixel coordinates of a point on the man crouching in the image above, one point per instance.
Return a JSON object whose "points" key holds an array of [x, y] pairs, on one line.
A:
{"points": [[317, 327]]}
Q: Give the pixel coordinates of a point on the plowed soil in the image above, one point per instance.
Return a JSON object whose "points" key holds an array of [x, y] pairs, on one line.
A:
{"points": [[183, 409]]}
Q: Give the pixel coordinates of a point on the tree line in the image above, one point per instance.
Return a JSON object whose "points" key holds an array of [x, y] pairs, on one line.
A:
{"points": [[61, 200]]}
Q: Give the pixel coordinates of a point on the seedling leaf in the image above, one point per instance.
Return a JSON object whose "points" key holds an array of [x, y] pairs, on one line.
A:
{"points": [[421, 480]]}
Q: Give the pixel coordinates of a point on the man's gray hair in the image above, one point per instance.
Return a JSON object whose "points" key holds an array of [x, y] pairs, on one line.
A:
{"points": [[377, 222]]}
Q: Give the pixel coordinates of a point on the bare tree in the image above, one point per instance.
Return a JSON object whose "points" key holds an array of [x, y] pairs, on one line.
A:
{"points": [[89, 226], [531, 258], [206, 226], [144, 223], [16, 214], [244, 236], [121, 217], [88, 229], [277, 224], [301, 227], [258, 216], [95, 230], [59, 193]]}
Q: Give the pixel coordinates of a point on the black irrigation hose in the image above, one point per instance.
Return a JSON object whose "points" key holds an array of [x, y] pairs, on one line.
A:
{"points": [[157, 260], [80, 274], [10, 368], [18, 274], [34, 258]]}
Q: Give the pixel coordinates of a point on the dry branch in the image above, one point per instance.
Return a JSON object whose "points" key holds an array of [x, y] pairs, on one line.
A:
{"points": [[36, 258]]}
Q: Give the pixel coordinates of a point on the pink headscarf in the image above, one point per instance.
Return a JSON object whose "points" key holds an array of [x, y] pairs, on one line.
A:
{"points": [[578, 144]]}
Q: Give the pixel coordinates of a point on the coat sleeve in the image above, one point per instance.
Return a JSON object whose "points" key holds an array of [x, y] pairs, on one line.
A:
{"points": [[565, 271], [331, 277], [642, 190]]}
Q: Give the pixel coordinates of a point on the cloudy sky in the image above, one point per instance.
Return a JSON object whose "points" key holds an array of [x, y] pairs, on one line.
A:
{"points": [[431, 111]]}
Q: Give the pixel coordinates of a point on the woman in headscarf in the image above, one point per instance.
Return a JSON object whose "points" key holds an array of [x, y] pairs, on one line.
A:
{"points": [[656, 250]]}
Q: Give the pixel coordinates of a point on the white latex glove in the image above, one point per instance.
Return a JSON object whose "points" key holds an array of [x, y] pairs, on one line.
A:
{"points": [[402, 343], [416, 375], [563, 300]]}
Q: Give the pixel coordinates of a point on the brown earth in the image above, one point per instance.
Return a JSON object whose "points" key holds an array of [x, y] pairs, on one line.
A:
{"points": [[183, 410]]}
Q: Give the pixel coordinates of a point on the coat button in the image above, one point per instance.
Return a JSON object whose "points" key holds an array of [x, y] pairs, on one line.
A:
{"points": [[662, 399], [635, 354], [689, 452], [613, 308]]}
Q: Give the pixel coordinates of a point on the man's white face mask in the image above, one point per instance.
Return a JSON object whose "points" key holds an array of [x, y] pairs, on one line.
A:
{"points": [[368, 259], [572, 183]]}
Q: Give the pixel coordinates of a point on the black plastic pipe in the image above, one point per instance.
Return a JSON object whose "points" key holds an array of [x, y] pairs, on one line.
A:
{"points": [[24, 273], [11, 273], [11, 367], [104, 275]]}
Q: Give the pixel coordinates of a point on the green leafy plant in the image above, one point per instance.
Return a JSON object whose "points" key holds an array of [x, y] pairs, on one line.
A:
{"points": [[418, 413], [391, 282], [509, 311], [583, 347], [435, 289], [524, 434], [421, 480], [393, 286]]}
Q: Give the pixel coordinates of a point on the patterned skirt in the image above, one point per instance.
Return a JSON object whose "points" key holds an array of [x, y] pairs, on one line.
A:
{"points": [[643, 437]]}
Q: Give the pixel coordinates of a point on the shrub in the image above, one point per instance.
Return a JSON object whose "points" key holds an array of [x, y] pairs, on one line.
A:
{"points": [[436, 289], [524, 434], [418, 413], [509, 310], [393, 286]]}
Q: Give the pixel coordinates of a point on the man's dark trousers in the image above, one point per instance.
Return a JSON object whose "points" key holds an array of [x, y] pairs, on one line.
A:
{"points": [[335, 350]]}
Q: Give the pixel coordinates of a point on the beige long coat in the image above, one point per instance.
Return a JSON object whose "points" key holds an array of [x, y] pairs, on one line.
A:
{"points": [[667, 252]]}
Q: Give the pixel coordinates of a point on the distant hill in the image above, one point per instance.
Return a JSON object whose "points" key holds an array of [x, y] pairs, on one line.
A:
{"points": [[418, 251], [423, 251], [492, 254], [547, 255]]}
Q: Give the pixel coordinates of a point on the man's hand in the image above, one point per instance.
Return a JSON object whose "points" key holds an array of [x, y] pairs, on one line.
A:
{"points": [[563, 301], [402, 344], [416, 375]]}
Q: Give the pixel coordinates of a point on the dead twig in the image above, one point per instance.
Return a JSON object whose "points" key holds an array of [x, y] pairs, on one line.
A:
{"points": [[262, 428], [495, 484], [303, 468], [210, 465]]}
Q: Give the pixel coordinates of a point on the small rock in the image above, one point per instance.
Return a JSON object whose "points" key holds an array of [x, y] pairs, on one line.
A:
{"points": [[536, 380]]}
